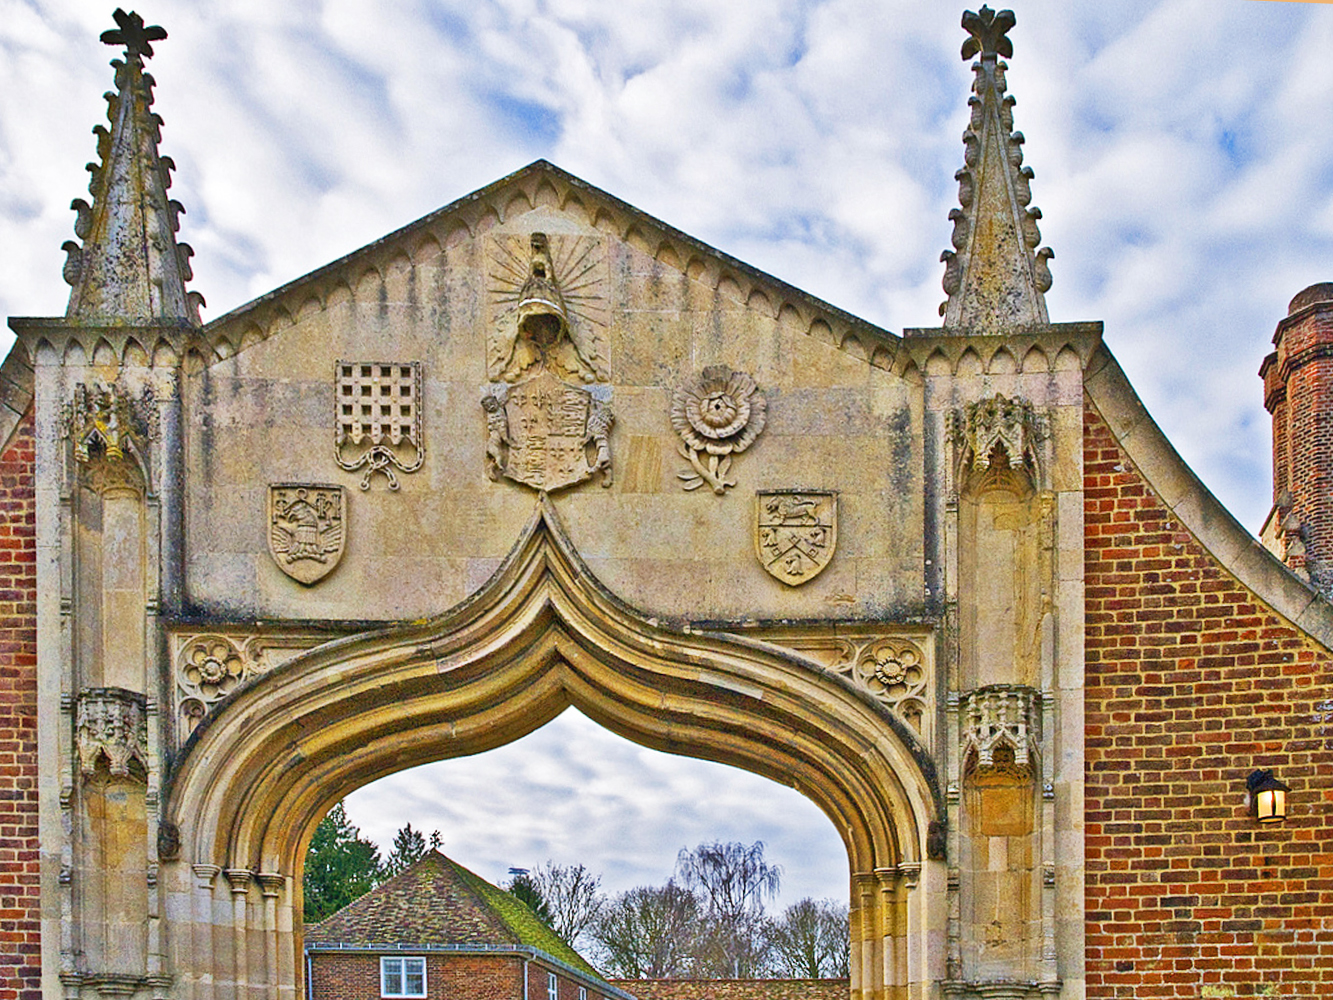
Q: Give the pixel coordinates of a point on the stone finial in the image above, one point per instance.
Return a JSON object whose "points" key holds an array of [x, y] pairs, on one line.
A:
{"points": [[988, 33], [995, 276], [131, 33], [128, 269]]}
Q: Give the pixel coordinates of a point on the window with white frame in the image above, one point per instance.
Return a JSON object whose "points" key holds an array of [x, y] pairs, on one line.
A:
{"points": [[402, 977], [552, 987], [583, 993]]}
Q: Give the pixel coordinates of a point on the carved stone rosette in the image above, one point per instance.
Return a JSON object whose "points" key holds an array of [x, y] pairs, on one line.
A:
{"points": [[210, 665], [716, 417], [1000, 715], [890, 669], [111, 724], [109, 431]]}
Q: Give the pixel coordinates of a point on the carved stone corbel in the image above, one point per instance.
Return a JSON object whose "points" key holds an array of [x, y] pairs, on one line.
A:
{"points": [[998, 425], [1001, 715], [112, 724]]}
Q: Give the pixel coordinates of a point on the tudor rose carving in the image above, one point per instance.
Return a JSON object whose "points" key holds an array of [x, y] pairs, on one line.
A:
{"points": [[307, 529], [795, 533], [718, 416], [210, 665], [548, 412], [377, 416]]}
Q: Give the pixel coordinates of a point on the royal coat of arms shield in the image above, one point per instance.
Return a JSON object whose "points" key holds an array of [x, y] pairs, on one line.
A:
{"points": [[306, 529], [795, 532], [547, 433]]}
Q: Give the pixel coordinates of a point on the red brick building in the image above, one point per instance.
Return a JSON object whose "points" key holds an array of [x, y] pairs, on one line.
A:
{"points": [[441, 932]]}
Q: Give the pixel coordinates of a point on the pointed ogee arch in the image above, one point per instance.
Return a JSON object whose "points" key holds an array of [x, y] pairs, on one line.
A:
{"points": [[541, 635]]}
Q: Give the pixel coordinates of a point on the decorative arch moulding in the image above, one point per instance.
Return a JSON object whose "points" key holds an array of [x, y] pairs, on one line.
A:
{"points": [[894, 667]]}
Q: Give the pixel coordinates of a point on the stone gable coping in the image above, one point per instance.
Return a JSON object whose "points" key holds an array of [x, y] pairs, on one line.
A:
{"points": [[536, 185]]}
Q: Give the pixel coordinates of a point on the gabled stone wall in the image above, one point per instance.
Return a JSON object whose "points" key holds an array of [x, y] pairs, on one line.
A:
{"points": [[1192, 683], [20, 902]]}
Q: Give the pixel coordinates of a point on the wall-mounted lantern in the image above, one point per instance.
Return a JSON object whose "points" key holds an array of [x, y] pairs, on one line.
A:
{"points": [[1268, 797]]}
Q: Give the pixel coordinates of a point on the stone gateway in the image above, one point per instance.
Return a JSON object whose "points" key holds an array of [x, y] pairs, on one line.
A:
{"points": [[539, 449]]}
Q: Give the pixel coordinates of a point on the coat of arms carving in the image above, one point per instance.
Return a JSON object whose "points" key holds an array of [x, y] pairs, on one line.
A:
{"points": [[796, 532], [545, 427], [377, 416], [548, 434], [306, 532]]}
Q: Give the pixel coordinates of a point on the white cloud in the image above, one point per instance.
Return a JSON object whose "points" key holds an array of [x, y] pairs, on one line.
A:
{"points": [[573, 792]]}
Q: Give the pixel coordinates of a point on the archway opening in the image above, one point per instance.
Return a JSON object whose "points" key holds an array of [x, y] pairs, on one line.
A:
{"points": [[574, 794], [255, 777]]}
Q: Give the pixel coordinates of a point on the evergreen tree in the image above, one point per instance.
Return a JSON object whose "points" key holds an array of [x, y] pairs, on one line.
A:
{"points": [[525, 887], [340, 866], [409, 847]]}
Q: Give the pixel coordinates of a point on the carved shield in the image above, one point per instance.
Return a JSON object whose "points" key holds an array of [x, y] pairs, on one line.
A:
{"points": [[548, 433], [795, 533], [306, 529]]}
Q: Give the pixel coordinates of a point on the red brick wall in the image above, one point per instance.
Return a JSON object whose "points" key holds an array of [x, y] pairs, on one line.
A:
{"points": [[356, 976], [20, 903], [1191, 684]]}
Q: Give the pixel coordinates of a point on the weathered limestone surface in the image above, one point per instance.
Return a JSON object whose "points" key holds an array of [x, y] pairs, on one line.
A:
{"points": [[835, 422]]}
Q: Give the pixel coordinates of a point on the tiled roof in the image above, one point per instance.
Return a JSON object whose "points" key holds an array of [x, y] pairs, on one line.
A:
{"points": [[439, 902]]}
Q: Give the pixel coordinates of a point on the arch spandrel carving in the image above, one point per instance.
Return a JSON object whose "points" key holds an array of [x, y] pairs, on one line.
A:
{"points": [[273, 754], [541, 635]]}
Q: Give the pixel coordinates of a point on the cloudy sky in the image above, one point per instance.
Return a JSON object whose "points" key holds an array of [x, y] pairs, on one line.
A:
{"points": [[1183, 159]]}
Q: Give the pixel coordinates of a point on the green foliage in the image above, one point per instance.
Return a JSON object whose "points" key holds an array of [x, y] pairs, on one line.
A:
{"points": [[409, 847], [339, 867], [524, 888]]}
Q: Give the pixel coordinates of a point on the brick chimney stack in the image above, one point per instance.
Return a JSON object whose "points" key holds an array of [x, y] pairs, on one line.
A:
{"points": [[1298, 392]]}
